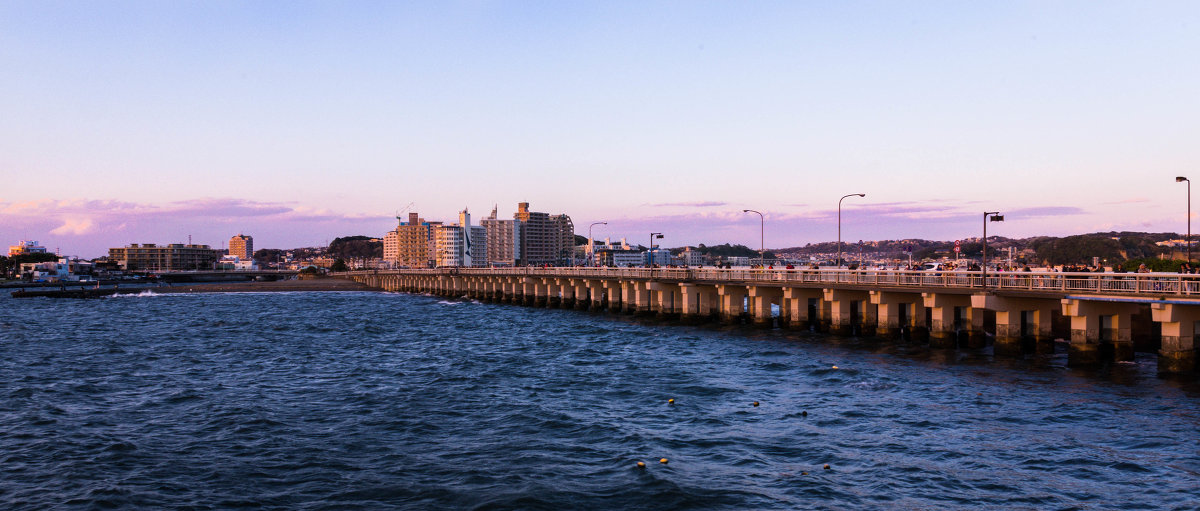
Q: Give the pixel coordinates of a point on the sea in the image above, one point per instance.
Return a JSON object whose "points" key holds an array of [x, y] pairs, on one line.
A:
{"points": [[364, 400]]}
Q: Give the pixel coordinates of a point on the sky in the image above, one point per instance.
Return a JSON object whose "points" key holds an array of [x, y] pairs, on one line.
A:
{"points": [[298, 122]]}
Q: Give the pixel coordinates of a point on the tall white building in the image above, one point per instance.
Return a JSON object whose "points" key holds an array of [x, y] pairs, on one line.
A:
{"points": [[460, 244], [503, 240]]}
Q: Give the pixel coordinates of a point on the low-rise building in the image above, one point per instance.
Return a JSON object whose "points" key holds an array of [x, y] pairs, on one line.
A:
{"points": [[235, 263], [26, 247], [172, 257]]}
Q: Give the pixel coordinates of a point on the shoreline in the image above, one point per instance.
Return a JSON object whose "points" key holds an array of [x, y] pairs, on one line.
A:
{"points": [[279, 286], [327, 284]]}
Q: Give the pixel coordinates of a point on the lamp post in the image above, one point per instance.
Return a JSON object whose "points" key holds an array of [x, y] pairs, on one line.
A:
{"points": [[650, 250], [1181, 179], [762, 226], [592, 244], [996, 217], [839, 256]]}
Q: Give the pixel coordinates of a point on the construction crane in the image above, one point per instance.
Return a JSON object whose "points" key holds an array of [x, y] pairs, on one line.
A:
{"points": [[404, 210]]}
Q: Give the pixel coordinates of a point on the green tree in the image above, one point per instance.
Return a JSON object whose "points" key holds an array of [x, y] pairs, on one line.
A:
{"points": [[339, 265]]}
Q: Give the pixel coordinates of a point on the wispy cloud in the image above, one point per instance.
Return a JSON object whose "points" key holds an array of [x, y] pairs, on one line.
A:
{"points": [[75, 226], [1136, 200], [90, 226], [1046, 211], [701, 204]]}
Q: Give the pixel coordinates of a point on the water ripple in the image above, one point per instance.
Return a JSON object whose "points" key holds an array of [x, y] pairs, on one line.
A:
{"points": [[378, 401]]}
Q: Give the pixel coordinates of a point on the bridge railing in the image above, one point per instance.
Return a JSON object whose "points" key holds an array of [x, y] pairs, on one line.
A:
{"points": [[1067, 283]]}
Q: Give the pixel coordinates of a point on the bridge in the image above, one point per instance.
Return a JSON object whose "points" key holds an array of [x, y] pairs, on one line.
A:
{"points": [[1102, 314]]}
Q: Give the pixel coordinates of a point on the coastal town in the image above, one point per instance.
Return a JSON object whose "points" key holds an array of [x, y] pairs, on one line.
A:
{"points": [[538, 239]]}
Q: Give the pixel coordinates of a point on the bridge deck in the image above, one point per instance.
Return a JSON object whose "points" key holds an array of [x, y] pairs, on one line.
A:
{"points": [[1144, 285]]}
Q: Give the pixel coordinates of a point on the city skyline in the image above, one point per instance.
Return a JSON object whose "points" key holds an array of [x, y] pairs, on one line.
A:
{"points": [[142, 122]]}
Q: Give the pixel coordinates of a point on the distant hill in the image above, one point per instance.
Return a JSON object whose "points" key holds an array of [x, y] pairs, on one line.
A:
{"points": [[355, 247], [1078, 249]]}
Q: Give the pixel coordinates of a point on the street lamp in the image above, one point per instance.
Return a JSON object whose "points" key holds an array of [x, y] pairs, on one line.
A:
{"points": [[995, 217], [762, 225], [1181, 179], [650, 250], [839, 257], [591, 244]]}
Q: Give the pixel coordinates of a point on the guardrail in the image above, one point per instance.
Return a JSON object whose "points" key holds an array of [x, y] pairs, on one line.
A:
{"points": [[1050, 282]]}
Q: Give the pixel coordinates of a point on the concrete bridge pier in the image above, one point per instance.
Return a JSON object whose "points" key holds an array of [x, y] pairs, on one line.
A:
{"points": [[697, 302], [628, 291], [504, 290], [731, 301], [639, 298], [567, 290], [1178, 352], [668, 300], [761, 298], [606, 295], [1100, 331], [582, 291], [798, 299], [845, 306], [581, 294], [541, 293], [1019, 319], [528, 292], [899, 313], [953, 319], [553, 294]]}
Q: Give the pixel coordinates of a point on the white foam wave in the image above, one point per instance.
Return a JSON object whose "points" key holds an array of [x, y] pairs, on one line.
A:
{"points": [[143, 294]]}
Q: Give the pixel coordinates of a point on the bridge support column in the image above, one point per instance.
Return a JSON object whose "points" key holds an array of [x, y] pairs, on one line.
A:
{"points": [[761, 298], [1018, 319], [697, 302], [731, 299], [1179, 322], [798, 300], [898, 313], [668, 302], [842, 313], [635, 298], [606, 294], [504, 290], [953, 318], [528, 292], [1100, 331], [567, 288], [583, 293], [553, 293]]}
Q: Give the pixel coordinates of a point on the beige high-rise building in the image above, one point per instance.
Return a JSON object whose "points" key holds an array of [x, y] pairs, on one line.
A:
{"points": [[503, 239], [410, 244], [242, 246], [545, 239]]}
